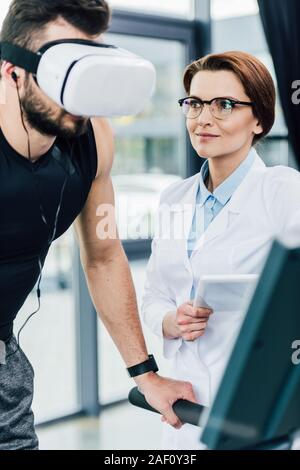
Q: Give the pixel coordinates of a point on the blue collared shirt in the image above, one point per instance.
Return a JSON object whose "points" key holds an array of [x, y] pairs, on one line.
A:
{"points": [[212, 203]]}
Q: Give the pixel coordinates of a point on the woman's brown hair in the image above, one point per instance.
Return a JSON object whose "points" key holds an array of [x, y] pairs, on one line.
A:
{"points": [[254, 76]]}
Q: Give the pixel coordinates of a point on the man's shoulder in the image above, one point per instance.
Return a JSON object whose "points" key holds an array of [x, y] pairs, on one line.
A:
{"points": [[104, 140]]}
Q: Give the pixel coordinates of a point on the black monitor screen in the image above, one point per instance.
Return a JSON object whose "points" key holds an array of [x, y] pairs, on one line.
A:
{"points": [[259, 396]]}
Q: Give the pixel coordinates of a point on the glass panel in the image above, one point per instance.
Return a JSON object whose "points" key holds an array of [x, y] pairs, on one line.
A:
{"points": [[49, 337], [174, 8], [114, 383], [244, 29], [274, 152], [279, 128], [150, 155], [179, 8], [150, 147], [4, 10], [221, 9]]}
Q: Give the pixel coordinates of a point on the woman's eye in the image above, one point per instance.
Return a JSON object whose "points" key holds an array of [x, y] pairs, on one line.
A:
{"points": [[194, 104], [225, 104]]}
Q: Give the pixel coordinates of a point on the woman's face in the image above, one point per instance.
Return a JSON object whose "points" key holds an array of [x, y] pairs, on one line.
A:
{"points": [[231, 134]]}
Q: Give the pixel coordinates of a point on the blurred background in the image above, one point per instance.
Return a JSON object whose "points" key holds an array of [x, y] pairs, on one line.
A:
{"points": [[81, 384]]}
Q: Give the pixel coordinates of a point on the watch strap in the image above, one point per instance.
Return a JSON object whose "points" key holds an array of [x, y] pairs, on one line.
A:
{"points": [[147, 366]]}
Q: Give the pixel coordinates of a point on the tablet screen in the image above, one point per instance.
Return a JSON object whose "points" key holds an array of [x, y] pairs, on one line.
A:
{"points": [[225, 292]]}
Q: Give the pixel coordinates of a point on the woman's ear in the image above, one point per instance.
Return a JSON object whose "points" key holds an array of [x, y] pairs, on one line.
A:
{"points": [[258, 128]]}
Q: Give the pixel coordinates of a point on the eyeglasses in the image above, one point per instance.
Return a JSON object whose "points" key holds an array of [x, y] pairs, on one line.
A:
{"points": [[220, 108]]}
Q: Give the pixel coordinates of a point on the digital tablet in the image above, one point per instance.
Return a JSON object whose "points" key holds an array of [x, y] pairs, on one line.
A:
{"points": [[226, 292]]}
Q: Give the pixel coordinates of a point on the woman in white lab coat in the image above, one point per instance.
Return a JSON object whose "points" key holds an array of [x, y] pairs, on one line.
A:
{"points": [[220, 221]]}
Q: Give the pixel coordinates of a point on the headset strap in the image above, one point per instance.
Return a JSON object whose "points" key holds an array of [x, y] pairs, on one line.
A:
{"points": [[29, 60], [20, 56]]}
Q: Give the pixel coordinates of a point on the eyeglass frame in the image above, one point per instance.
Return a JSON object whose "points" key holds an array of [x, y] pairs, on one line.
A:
{"points": [[209, 102]]}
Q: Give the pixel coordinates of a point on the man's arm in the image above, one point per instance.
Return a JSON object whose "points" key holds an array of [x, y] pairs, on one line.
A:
{"points": [[105, 263], [110, 282]]}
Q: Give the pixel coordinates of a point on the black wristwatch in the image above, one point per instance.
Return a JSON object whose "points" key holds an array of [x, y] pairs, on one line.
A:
{"points": [[146, 366]]}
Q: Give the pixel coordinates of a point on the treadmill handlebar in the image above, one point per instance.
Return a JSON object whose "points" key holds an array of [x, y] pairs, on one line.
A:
{"points": [[186, 411]]}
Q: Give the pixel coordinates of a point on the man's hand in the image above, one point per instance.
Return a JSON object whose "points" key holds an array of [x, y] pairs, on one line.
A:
{"points": [[161, 393]]}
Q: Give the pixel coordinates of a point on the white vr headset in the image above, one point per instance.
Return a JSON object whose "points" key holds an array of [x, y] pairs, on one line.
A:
{"points": [[87, 78]]}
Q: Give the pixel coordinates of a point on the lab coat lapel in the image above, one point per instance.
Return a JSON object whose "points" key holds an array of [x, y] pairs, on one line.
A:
{"points": [[181, 220], [234, 207]]}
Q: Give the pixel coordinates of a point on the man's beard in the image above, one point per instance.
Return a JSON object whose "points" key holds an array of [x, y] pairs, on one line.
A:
{"points": [[41, 118]]}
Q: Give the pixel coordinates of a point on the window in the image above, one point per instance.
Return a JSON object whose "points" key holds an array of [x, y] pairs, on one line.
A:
{"points": [[234, 23], [179, 8], [49, 338], [114, 381], [150, 147], [150, 155], [4, 10], [221, 9]]}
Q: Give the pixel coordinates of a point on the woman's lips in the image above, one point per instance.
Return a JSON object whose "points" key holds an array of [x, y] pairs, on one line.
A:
{"points": [[206, 137]]}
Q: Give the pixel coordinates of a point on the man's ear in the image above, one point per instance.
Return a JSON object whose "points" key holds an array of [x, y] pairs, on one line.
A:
{"points": [[11, 74]]}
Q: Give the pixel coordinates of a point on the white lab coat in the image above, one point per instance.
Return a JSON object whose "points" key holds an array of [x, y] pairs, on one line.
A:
{"points": [[265, 206]]}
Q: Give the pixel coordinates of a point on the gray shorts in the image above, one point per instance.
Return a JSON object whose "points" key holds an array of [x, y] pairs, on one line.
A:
{"points": [[16, 392]]}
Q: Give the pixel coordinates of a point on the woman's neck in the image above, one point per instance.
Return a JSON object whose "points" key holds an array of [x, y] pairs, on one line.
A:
{"points": [[220, 168]]}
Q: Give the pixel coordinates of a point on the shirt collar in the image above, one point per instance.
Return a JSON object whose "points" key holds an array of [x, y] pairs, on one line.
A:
{"points": [[204, 193], [224, 192]]}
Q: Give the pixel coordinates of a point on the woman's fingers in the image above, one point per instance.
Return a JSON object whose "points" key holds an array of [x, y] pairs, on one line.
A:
{"points": [[185, 320], [193, 331], [193, 327], [193, 317], [193, 335], [200, 312], [192, 322], [195, 312]]}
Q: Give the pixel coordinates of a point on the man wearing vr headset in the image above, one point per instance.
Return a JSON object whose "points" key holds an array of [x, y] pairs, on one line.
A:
{"points": [[55, 168]]}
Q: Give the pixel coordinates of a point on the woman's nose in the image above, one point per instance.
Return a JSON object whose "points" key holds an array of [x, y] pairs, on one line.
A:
{"points": [[205, 117]]}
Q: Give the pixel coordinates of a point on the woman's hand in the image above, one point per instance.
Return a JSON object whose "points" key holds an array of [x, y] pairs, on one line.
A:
{"points": [[187, 322]]}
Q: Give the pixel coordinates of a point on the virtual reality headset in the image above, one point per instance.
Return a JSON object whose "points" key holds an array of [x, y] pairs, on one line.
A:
{"points": [[87, 78]]}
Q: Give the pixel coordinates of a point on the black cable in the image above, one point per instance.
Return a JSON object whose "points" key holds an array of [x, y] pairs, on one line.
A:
{"points": [[52, 238], [30, 158]]}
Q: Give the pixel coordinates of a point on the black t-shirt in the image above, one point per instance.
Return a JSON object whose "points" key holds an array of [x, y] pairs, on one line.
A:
{"points": [[24, 237]]}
